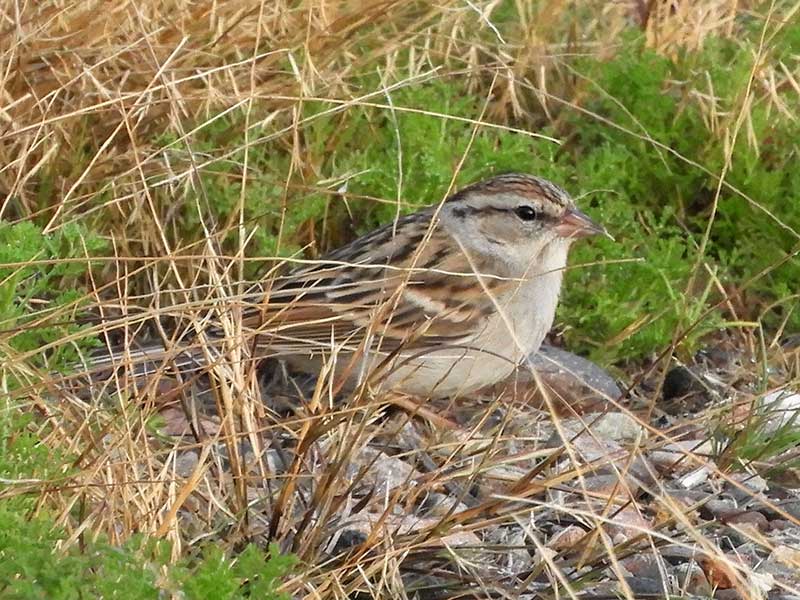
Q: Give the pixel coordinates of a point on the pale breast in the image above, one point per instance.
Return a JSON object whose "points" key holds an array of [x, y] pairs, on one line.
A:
{"points": [[516, 329]]}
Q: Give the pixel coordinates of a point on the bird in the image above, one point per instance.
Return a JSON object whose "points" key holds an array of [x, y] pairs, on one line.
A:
{"points": [[438, 303]]}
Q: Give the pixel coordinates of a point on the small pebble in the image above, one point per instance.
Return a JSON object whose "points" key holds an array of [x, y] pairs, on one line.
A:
{"points": [[676, 554], [643, 565], [693, 580], [617, 426], [628, 523], [717, 508], [755, 519], [727, 594], [186, 462], [782, 525], [646, 585], [786, 555], [566, 538]]}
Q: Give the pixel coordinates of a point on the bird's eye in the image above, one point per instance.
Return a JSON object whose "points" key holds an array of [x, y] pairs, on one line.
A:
{"points": [[526, 213]]}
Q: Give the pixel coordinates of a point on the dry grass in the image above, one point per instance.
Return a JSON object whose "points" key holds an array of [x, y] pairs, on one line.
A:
{"points": [[86, 89]]}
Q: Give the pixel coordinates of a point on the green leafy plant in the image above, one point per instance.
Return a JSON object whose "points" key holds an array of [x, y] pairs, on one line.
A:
{"points": [[253, 574], [661, 202], [33, 566], [38, 279]]}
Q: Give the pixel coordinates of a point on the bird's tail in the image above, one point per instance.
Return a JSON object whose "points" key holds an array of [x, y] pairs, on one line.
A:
{"points": [[144, 360], [138, 364]]}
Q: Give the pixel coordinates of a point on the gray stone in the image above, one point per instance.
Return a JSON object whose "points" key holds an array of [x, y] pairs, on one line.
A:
{"points": [[383, 473], [779, 571], [514, 557], [566, 539], [693, 580], [676, 554], [439, 505], [749, 518], [587, 445], [646, 585], [681, 457], [644, 565], [186, 462], [789, 506], [783, 525], [783, 563], [719, 508], [617, 426], [571, 382], [276, 462], [696, 478], [782, 408], [595, 439], [739, 538], [754, 483], [727, 594], [615, 487], [552, 363]]}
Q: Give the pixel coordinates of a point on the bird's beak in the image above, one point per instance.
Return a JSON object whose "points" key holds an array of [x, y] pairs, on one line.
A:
{"points": [[575, 224]]}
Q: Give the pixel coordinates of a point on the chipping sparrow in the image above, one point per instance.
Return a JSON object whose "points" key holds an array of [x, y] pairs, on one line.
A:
{"points": [[439, 303]]}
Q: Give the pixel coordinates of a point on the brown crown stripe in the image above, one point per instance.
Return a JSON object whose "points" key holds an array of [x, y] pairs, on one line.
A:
{"points": [[524, 185]]}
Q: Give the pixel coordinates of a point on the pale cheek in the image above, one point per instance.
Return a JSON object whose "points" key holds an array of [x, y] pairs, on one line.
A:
{"points": [[514, 237]]}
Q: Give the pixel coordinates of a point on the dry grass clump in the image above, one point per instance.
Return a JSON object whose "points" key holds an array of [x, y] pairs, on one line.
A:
{"points": [[675, 25], [87, 87], [102, 109]]}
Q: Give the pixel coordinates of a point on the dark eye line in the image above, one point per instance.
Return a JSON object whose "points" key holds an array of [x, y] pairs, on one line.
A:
{"points": [[464, 211]]}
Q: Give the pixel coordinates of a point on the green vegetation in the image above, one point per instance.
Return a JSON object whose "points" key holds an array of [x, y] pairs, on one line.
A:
{"points": [[34, 567], [39, 297]]}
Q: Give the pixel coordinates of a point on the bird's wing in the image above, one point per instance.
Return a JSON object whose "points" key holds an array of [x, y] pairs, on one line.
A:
{"points": [[398, 287]]}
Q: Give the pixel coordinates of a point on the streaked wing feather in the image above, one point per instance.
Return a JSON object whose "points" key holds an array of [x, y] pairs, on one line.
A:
{"points": [[426, 296]]}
